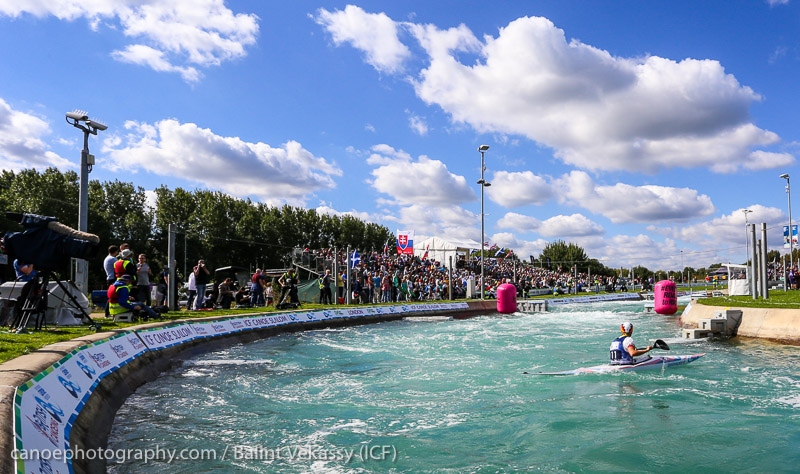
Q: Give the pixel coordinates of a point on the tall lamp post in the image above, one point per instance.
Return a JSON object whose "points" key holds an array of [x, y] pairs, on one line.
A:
{"points": [[791, 243], [746, 236], [80, 119], [483, 184]]}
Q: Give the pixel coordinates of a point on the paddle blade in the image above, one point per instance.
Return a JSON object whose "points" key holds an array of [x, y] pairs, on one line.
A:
{"points": [[659, 344]]}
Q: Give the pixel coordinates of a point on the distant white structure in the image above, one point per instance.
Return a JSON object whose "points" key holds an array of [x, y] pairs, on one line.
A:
{"points": [[738, 279], [440, 249]]}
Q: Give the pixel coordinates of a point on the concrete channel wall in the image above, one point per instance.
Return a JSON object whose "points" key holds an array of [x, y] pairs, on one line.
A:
{"points": [[779, 325], [64, 397]]}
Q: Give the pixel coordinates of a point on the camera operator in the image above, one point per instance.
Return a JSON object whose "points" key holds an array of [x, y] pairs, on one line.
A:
{"points": [[120, 300], [24, 271]]}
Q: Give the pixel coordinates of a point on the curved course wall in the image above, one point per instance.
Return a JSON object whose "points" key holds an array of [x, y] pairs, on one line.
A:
{"points": [[58, 403]]}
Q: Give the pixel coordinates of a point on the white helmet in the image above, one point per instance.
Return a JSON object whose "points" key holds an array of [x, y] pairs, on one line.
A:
{"points": [[626, 327]]}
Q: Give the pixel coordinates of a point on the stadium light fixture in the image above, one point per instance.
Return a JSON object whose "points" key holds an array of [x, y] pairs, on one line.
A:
{"points": [[484, 184], [80, 120]]}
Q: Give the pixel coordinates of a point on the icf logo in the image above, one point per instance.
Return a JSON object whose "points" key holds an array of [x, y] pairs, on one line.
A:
{"points": [[71, 387], [82, 363], [54, 410]]}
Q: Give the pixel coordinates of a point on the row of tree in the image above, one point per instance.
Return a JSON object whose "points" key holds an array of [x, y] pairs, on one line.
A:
{"points": [[224, 230], [211, 225], [560, 254]]}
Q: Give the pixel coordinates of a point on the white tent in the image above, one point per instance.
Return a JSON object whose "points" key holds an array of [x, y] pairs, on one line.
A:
{"points": [[61, 310], [738, 279], [441, 249]]}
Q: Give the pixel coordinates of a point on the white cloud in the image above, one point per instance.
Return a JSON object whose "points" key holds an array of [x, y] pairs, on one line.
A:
{"points": [[566, 227], [519, 222], [424, 181], [449, 221], [174, 32], [625, 203], [154, 59], [22, 145], [325, 208], [761, 160], [634, 250], [286, 174], [418, 124], [597, 112], [729, 229], [373, 33], [517, 189]]}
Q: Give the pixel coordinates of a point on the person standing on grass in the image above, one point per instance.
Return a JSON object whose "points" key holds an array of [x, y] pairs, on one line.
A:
{"points": [[201, 279]]}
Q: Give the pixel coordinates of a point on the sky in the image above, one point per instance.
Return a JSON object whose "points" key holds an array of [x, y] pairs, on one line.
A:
{"points": [[640, 131]]}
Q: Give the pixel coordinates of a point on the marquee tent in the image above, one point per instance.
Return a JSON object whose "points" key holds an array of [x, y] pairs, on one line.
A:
{"points": [[738, 279], [61, 310], [441, 249]]}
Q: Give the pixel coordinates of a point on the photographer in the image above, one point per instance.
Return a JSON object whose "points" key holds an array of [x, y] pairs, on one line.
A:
{"points": [[288, 282], [120, 301]]}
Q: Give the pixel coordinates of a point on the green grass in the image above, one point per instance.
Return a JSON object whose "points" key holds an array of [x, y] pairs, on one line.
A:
{"points": [[777, 299], [13, 345]]}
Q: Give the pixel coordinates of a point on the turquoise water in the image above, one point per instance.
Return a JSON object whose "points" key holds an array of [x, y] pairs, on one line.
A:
{"points": [[449, 396]]}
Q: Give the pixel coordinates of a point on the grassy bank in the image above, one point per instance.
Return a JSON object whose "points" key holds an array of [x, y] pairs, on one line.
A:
{"points": [[14, 345]]}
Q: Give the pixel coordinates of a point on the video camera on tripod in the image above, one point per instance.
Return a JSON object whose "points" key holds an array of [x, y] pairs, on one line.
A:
{"points": [[49, 246]]}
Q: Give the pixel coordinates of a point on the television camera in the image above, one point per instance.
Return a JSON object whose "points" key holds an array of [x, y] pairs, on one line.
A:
{"points": [[49, 246]]}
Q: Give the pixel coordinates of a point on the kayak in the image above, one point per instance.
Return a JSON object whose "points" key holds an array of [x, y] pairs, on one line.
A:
{"points": [[654, 362]]}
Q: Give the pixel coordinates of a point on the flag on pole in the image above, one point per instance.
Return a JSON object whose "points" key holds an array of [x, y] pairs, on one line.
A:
{"points": [[386, 249], [405, 242], [425, 255], [786, 236], [355, 259]]}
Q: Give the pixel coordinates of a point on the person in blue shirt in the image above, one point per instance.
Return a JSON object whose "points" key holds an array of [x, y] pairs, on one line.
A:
{"points": [[623, 351], [24, 271]]}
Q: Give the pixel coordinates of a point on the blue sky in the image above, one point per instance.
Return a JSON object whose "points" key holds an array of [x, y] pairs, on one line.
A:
{"points": [[637, 130]]}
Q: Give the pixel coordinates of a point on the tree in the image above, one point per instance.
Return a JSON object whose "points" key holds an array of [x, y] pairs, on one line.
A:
{"points": [[564, 255]]}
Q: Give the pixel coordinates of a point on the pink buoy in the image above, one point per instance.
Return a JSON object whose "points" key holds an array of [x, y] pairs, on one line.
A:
{"points": [[665, 297], [506, 298]]}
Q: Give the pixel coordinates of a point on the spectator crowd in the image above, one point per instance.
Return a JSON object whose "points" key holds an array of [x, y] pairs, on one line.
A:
{"points": [[376, 277]]}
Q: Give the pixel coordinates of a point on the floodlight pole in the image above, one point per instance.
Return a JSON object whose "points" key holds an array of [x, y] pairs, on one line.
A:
{"points": [[79, 119], [483, 184]]}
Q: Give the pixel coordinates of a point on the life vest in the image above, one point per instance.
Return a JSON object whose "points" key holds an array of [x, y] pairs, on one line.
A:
{"points": [[114, 307], [288, 280], [124, 267], [618, 354]]}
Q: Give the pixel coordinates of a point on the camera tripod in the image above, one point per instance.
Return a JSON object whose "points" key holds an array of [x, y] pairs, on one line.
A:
{"points": [[32, 302]]}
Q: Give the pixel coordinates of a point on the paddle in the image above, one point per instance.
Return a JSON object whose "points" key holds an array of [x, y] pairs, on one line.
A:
{"points": [[659, 344]]}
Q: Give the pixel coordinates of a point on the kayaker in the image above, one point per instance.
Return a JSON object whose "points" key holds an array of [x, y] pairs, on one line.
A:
{"points": [[623, 350]]}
